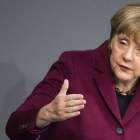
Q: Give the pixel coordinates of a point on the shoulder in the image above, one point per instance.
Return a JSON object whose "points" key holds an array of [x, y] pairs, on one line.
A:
{"points": [[76, 54], [84, 55], [85, 58]]}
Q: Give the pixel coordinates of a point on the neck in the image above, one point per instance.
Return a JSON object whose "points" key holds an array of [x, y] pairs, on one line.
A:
{"points": [[125, 85]]}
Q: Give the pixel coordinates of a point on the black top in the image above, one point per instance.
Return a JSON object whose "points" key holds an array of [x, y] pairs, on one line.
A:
{"points": [[123, 102]]}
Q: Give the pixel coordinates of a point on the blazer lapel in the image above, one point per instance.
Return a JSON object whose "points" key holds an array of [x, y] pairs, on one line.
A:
{"points": [[134, 106], [105, 79], [106, 87]]}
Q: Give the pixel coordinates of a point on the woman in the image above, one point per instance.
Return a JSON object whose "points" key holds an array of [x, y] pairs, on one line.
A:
{"points": [[88, 95]]}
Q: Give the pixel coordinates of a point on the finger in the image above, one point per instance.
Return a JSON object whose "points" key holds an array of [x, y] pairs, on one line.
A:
{"points": [[64, 87], [74, 109], [72, 103], [71, 115], [74, 97]]}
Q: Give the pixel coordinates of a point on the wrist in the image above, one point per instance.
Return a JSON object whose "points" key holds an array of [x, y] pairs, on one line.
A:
{"points": [[43, 119]]}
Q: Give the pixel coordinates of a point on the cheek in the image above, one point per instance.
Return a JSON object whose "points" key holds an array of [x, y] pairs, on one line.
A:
{"points": [[116, 55], [112, 63], [137, 70], [113, 60]]}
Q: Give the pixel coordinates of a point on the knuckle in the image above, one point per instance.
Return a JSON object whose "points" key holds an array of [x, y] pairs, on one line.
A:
{"points": [[70, 103], [59, 105], [68, 114], [70, 109], [76, 108], [60, 98], [58, 112], [80, 102], [61, 115], [70, 97], [81, 106]]}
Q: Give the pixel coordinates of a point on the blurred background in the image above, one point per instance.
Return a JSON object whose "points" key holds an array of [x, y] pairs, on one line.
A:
{"points": [[33, 33]]}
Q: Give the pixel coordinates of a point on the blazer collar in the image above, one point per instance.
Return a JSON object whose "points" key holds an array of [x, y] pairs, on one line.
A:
{"points": [[101, 60]]}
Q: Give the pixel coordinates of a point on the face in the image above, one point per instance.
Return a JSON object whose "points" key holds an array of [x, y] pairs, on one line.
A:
{"points": [[125, 58]]}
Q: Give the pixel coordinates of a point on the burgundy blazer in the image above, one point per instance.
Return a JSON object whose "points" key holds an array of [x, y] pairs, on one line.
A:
{"points": [[89, 73]]}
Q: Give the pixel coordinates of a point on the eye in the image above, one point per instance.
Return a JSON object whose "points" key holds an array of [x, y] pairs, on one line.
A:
{"points": [[138, 50], [138, 47], [123, 42]]}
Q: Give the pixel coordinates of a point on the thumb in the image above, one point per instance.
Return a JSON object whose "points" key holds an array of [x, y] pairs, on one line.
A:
{"points": [[64, 87]]}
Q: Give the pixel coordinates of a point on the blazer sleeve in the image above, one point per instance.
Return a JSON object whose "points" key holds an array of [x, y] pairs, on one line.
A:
{"points": [[22, 121]]}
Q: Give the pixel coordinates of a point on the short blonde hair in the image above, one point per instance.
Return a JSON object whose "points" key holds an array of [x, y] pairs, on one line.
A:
{"points": [[126, 21]]}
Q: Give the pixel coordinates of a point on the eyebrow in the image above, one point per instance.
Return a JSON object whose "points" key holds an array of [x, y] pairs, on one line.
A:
{"points": [[124, 38]]}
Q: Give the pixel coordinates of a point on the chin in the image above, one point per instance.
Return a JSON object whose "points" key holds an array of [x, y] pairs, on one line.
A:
{"points": [[124, 77]]}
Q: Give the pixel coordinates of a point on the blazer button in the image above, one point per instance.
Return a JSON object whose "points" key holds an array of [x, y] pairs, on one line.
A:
{"points": [[23, 126], [20, 127], [119, 130]]}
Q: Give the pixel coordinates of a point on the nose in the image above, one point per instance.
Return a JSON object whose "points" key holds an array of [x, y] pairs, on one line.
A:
{"points": [[128, 55]]}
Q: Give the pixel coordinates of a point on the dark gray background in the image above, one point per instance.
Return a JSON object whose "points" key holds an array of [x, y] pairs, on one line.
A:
{"points": [[33, 33]]}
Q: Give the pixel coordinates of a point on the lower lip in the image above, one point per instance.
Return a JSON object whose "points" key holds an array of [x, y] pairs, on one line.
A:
{"points": [[124, 68]]}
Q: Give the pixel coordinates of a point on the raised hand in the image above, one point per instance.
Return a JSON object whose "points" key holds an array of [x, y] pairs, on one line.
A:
{"points": [[61, 108]]}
